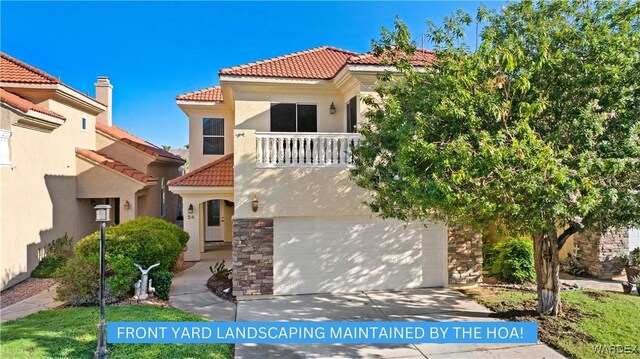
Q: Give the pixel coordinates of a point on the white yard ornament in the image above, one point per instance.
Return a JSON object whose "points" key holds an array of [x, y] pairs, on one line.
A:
{"points": [[143, 286]]}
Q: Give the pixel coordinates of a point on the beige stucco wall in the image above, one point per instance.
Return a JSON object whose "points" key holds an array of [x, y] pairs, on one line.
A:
{"points": [[290, 192], [94, 181], [123, 152], [38, 192], [253, 107], [196, 114], [194, 223]]}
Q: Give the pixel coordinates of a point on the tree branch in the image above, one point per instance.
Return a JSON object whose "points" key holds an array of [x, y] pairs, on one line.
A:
{"points": [[562, 239]]}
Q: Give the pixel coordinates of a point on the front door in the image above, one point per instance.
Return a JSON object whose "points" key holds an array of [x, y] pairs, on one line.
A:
{"points": [[213, 232]]}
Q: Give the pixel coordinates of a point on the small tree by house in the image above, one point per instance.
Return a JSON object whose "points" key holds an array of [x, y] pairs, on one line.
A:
{"points": [[536, 131]]}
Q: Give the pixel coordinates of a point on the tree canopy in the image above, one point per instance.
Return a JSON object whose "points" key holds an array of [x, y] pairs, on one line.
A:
{"points": [[537, 129]]}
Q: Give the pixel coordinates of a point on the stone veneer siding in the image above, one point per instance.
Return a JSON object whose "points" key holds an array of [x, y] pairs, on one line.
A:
{"points": [[252, 256], [600, 254], [464, 256]]}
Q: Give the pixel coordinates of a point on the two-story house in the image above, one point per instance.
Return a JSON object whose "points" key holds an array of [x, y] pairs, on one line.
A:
{"points": [[270, 151], [61, 155]]}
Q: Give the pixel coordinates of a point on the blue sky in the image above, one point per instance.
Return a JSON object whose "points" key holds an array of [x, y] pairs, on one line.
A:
{"points": [[153, 51]]}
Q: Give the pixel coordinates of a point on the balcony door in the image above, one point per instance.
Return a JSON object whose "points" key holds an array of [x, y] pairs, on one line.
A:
{"points": [[294, 117], [213, 230], [352, 115]]}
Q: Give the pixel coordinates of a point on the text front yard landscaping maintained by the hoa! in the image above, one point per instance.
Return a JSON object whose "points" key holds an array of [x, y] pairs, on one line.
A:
{"points": [[591, 323], [71, 333]]}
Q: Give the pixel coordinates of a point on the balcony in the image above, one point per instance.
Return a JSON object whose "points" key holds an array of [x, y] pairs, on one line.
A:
{"points": [[305, 149]]}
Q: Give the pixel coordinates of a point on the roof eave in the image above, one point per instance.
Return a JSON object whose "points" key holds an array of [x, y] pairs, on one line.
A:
{"points": [[144, 184], [61, 92], [267, 79], [35, 120], [198, 103], [156, 158], [186, 190]]}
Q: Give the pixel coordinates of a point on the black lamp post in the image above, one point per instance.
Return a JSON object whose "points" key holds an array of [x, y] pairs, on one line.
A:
{"points": [[102, 216]]}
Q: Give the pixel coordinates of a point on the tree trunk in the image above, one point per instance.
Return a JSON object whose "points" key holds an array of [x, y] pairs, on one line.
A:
{"points": [[547, 263]]}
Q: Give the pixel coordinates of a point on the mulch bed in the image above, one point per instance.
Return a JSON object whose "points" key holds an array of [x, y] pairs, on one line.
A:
{"points": [[221, 288], [24, 290]]}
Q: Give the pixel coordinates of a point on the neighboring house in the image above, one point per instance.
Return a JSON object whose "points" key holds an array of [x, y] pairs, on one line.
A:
{"points": [[601, 255], [60, 155], [270, 154]]}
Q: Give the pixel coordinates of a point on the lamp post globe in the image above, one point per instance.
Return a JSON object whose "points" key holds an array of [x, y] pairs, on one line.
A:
{"points": [[103, 215]]}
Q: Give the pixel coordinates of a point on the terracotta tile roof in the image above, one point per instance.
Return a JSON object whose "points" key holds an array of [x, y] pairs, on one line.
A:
{"points": [[14, 70], [218, 173], [24, 105], [322, 63], [420, 58], [135, 141], [116, 165], [209, 94]]}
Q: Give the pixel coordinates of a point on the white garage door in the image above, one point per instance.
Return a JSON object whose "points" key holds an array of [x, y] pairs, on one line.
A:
{"points": [[634, 238], [346, 254]]}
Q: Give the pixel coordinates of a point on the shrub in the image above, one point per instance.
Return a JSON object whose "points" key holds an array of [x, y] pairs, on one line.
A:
{"points": [[488, 255], [144, 241], [162, 283], [48, 267], [61, 247], [121, 274], [219, 271], [56, 254], [514, 261], [79, 281]]}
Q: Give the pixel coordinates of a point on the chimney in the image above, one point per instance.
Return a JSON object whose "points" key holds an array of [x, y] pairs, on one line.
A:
{"points": [[104, 92]]}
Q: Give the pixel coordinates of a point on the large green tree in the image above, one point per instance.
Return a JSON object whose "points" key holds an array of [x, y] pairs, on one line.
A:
{"points": [[536, 130]]}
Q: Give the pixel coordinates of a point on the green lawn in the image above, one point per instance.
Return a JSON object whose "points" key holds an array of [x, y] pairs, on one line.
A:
{"points": [[71, 333], [589, 318]]}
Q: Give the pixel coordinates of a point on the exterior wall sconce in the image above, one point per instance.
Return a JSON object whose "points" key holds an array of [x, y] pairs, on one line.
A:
{"points": [[332, 109], [254, 203], [190, 210], [127, 205]]}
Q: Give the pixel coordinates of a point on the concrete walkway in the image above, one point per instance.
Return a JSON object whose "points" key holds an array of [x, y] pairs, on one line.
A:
{"points": [[614, 285], [431, 304], [190, 293], [41, 301]]}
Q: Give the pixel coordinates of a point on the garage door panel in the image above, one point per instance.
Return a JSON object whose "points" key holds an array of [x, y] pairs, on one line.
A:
{"points": [[342, 254], [327, 246], [347, 261]]}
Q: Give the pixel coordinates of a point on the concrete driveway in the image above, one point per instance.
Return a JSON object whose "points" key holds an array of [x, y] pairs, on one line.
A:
{"points": [[432, 304]]}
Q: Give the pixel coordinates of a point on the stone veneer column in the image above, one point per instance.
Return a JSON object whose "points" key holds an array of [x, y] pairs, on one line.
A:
{"points": [[252, 256], [464, 255], [600, 254]]}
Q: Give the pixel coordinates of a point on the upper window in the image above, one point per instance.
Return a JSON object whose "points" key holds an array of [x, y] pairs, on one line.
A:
{"points": [[291, 117], [213, 136], [84, 123], [352, 115]]}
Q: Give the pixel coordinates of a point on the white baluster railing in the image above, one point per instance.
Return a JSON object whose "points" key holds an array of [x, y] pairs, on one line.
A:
{"points": [[283, 149]]}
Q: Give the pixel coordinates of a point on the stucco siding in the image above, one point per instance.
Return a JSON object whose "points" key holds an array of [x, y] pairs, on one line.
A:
{"points": [[38, 192], [196, 115]]}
